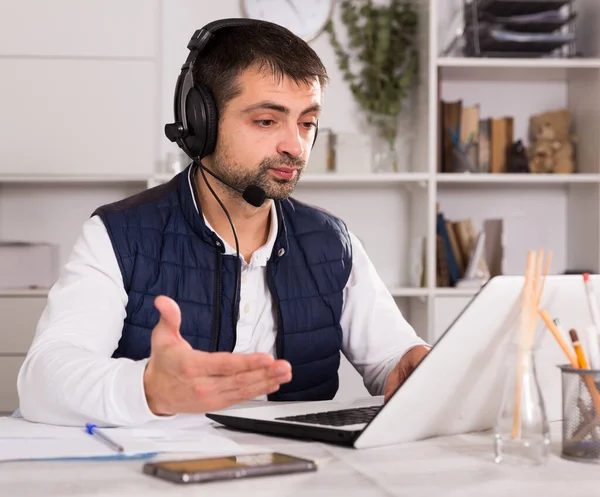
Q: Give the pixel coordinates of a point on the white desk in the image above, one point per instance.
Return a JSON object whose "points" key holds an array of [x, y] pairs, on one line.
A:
{"points": [[453, 466]]}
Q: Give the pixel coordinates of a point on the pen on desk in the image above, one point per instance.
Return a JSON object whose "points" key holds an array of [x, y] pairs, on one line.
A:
{"points": [[92, 429]]}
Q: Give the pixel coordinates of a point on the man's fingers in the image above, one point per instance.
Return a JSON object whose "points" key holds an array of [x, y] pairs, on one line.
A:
{"points": [[228, 364], [231, 397], [279, 372]]}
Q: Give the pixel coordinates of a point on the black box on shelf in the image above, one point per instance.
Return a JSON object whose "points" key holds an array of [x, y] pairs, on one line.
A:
{"points": [[519, 7], [519, 28]]}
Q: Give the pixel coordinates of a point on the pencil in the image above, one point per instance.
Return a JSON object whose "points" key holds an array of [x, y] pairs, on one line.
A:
{"points": [[564, 345], [583, 364]]}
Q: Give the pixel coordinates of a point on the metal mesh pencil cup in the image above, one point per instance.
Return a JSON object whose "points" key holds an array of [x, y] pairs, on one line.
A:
{"points": [[581, 414]]}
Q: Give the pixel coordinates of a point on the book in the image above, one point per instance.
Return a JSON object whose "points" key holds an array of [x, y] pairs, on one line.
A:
{"points": [[501, 138], [484, 146], [450, 127]]}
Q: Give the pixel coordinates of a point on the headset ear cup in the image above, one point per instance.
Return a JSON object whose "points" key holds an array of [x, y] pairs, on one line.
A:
{"points": [[196, 123], [212, 119]]}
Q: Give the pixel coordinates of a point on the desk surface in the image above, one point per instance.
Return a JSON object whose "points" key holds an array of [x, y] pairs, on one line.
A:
{"points": [[449, 466]]}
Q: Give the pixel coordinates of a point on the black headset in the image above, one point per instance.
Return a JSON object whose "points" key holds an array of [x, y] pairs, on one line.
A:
{"points": [[195, 109]]}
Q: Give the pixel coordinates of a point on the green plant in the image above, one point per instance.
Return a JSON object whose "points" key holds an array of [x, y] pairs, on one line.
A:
{"points": [[382, 41]]}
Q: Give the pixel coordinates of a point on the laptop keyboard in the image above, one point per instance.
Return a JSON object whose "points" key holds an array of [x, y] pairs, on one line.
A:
{"points": [[341, 417]]}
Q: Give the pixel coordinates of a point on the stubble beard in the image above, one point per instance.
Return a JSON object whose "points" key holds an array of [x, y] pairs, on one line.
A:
{"points": [[275, 188]]}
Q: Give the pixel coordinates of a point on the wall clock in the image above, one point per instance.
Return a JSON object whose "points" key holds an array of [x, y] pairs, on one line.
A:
{"points": [[305, 18]]}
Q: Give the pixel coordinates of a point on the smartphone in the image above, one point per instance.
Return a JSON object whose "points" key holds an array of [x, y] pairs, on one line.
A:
{"points": [[228, 468]]}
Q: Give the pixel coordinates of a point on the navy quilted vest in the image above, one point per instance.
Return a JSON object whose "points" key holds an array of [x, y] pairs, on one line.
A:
{"points": [[163, 247]]}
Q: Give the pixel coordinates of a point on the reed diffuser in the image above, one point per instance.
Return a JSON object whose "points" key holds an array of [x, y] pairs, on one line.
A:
{"points": [[521, 434]]}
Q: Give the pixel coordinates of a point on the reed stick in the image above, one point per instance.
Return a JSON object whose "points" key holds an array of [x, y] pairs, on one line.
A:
{"points": [[535, 278]]}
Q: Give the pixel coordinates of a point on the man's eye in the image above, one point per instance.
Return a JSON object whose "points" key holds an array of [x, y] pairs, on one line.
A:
{"points": [[265, 123], [309, 124]]}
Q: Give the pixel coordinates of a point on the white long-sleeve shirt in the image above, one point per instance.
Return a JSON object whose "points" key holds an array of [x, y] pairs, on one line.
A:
{"points": [[70, 378]]}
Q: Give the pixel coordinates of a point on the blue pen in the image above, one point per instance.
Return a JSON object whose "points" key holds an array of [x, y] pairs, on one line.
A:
{"points": [[92, 429]]}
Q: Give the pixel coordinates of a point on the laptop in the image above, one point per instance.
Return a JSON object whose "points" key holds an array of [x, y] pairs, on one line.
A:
{"points": [[456, 389]]}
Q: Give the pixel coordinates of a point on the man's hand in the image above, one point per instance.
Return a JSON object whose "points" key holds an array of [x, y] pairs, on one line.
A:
{"points": [[179, 379], [403, 369]]}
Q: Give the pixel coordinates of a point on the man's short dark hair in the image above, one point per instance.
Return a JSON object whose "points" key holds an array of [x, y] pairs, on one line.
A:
{"points": [[272, 48]]}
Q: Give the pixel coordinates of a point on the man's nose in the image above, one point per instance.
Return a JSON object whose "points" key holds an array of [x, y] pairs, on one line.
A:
{"points": [[291, 142]]}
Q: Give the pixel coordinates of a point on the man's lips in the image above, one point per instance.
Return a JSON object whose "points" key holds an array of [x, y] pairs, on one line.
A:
{"points": [[285, 172]]}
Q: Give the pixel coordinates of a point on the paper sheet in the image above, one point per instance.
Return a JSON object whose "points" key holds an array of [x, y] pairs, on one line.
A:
{"points": [[20, 439]]}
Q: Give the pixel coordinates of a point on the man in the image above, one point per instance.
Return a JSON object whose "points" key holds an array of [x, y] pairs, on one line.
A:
{"points": [[144, 322]]}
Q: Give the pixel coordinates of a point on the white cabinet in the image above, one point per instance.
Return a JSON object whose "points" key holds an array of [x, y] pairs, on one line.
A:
{"points": [[79, 87], [77, 117], [75, 29], [9, 370], [20, 313]]}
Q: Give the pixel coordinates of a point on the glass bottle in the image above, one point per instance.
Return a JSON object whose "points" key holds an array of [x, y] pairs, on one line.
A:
{"points": [[522, 433]]}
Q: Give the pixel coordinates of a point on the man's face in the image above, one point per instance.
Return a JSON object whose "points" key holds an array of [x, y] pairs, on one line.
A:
{"points": [[266, 133]]}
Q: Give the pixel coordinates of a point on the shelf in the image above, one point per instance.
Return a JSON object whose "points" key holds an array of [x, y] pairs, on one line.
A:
{"points": [[514, 63], [507, 69], [362, 179], [337, 179], [61, 179], [436, 292], [409, 292], [38, 292], [455, 292], [517, 179]]}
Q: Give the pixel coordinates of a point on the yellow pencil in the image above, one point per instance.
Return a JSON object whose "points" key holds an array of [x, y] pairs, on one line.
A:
{"points": [[583, 364]]}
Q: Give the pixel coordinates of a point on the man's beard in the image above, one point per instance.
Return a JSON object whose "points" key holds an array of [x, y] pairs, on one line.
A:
{"points": [[274, 188]]}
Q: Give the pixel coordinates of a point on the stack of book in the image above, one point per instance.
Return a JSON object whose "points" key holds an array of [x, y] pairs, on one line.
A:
{"points": [[464, 256], [472, 143], [519, 28]]}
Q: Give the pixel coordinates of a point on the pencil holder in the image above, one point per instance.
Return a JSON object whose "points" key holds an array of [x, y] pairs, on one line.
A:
{"points": [[581, 414]]}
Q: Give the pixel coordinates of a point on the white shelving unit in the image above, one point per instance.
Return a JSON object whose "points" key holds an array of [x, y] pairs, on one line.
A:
{"points": [[539, 211]]}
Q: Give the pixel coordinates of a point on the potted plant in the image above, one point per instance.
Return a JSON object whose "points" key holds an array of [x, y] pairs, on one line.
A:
{"points": [[382, 41]]}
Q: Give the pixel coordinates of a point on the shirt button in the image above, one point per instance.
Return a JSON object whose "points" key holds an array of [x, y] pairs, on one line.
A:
{"points": [[280, 252], [247, 308], [244, 278]]}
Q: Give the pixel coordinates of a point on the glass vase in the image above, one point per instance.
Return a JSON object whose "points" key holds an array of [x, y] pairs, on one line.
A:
{"points": [[384, 143], [392, 140], [521, 434]]}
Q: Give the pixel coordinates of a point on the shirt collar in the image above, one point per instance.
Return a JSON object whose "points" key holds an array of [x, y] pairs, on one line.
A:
{"points": [[261, 255]]}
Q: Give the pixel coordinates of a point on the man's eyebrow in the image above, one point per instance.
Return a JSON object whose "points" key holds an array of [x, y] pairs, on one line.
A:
{"points": [[278, 108]]}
